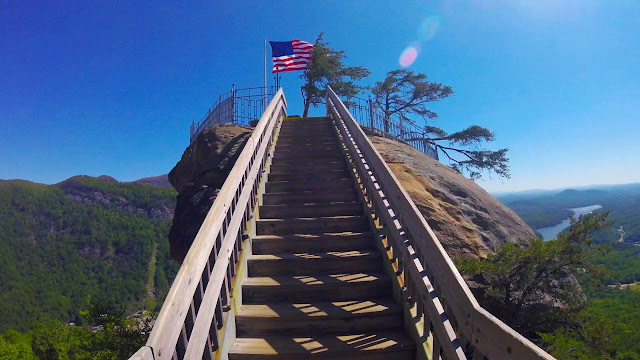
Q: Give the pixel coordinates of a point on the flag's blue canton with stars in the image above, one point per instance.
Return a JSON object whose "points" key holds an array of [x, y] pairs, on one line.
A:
{"points": [[290, 55]]}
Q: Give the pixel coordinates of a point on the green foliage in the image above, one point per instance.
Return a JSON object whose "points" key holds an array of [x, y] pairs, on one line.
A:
{"points": [[106, 335], [405, 93], [53, 340], [606, 329], [622, 263], [84, 236], [524, 284], [590, 338], [16, 346], [119, 337], [326, 68]]}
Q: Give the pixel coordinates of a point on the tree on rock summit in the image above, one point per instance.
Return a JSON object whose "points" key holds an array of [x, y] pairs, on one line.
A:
{"points": [[326, 68]]}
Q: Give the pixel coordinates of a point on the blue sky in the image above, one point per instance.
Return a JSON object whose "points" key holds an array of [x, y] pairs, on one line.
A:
{"points": [[110, 87]]}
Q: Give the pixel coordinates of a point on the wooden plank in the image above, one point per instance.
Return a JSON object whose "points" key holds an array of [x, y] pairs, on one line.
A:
{"points": [[167, 328], [144, 353], [509, 344]]}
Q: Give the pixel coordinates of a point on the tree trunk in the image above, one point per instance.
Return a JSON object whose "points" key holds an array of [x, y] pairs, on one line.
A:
{"points": [[306, 109]]}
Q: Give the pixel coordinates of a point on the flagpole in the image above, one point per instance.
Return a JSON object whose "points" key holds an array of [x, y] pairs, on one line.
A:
{"points": [[265, 73]]}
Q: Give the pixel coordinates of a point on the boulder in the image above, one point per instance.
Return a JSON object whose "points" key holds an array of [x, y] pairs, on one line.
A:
{"points": [[198, 176], [465, 218]]}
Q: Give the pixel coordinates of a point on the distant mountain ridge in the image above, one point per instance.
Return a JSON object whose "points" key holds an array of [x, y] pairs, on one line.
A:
{"points": [[623, 202], [160, 180], [85, 236]]}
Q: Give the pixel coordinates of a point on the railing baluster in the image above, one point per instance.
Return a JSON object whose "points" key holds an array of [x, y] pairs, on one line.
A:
{"points": [[437, 349], [181, 346]]}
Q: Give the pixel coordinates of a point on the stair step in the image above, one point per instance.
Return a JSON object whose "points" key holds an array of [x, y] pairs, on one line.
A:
{"points": [[305, 121], [310, 148], [362, 345], [306, 158], [303, 288], [309, 197], [324, 131], [297, 186], [311, 225], [338, 317], [310, 176], [329, 151], [306, 138], [268, 244], [325, 128], [311, 139], [287, 211], [307, 263], [281, 168]]}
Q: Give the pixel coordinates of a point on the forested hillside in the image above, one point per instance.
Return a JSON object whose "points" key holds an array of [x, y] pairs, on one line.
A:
{"points": [[612, 314], [85, 236]]}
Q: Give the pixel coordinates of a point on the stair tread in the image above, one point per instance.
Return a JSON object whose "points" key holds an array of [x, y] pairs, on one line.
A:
{"points": [[293, 237], [320, 309], [346, 189], [344, 255], [314, 280], [302, 171], [336, 218], [324, 346], [313, 205]]}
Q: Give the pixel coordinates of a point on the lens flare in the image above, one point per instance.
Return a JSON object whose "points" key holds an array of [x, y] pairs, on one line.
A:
{"points": [[426, 31], [409, 55], [428, 28]]}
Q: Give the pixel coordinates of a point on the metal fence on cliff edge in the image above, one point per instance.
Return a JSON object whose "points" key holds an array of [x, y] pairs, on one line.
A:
{"points": [[241, 106]]}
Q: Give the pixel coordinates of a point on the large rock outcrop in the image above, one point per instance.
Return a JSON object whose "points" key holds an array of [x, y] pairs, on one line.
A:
{"points": [[466, 219], [198, 177]]}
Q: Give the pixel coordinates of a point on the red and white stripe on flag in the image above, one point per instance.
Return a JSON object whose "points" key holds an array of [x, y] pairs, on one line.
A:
{"points": [[298, 59]]}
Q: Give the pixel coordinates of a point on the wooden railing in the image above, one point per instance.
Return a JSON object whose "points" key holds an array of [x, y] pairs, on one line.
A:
{"points": [[435, 295], [195, 310]]}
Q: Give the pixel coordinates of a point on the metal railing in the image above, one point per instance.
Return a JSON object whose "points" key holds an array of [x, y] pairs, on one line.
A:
{"points": [[237, 106], [434, 293], [191, 323], [369, 115]]}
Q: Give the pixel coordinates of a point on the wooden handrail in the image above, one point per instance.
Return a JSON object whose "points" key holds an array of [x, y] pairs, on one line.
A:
{"points": [[430, 281], [192, 313]]}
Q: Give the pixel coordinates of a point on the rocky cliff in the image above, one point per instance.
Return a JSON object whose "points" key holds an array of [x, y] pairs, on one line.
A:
{"points": [[467, 220], [198, 177]]}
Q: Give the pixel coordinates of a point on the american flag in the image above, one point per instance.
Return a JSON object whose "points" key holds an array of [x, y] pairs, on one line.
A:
{"points": [[290, 55]]}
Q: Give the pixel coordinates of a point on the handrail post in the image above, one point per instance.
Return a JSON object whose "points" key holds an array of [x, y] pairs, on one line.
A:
{"points": [[371, 114], [233, 103]]}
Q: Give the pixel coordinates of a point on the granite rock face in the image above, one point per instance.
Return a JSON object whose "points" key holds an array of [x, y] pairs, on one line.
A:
{"points": [[198, 177], [465, 218]]}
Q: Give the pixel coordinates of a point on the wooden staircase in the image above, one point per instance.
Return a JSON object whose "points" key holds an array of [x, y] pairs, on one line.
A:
{"points": [[316, 285]]}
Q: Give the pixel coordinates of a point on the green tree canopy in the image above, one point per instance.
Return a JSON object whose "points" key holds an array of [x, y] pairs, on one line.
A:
{"points": [[524, 285], [326, 68], [403, 93]]}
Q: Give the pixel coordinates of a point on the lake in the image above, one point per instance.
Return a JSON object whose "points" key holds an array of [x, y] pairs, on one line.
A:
{"points": [[551, 232]]}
